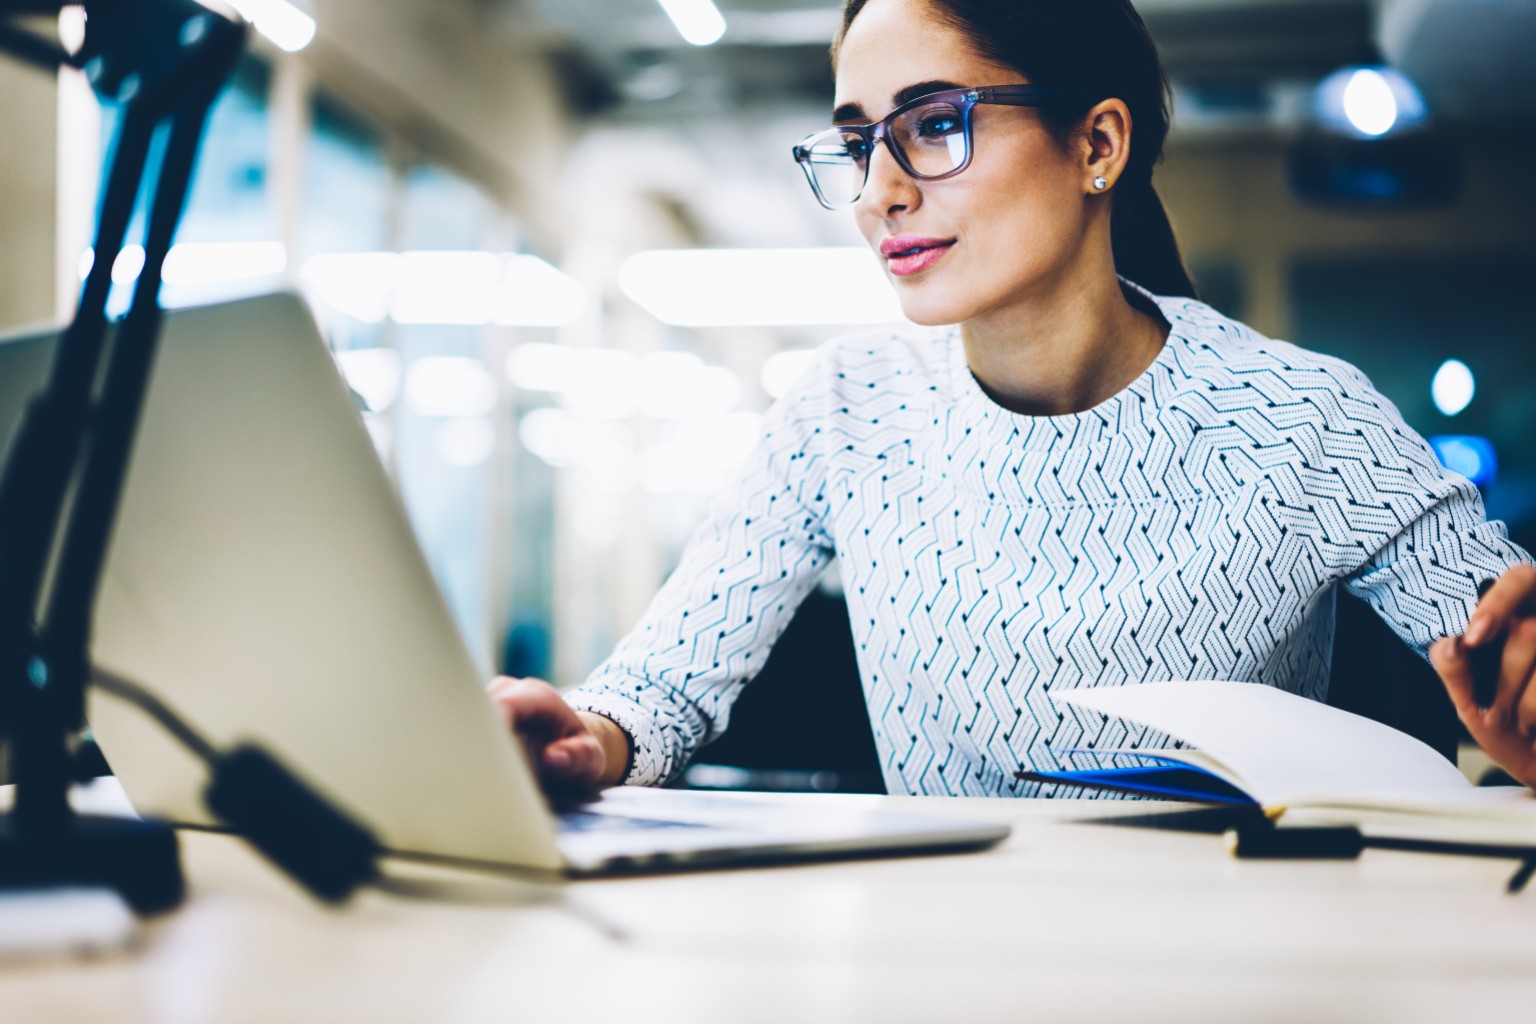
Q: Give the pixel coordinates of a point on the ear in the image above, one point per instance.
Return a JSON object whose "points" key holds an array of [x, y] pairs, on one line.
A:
{"points": [[1106, 145]]}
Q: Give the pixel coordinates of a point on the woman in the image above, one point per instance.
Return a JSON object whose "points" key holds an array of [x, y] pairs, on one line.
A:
{"points": [[1092, 480]]}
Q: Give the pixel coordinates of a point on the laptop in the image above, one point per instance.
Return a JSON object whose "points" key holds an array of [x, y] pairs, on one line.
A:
{"points": [[264, 581]]}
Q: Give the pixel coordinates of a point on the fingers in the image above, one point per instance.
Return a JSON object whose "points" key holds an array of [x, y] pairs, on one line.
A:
{"points": [[503, 685], [1507, 729], [1503, 630], [1492, 727], [1514, 668], [1449, 657], [532, 706], [1511, 594], [573, 764], [567, 758], [1515, 691]]}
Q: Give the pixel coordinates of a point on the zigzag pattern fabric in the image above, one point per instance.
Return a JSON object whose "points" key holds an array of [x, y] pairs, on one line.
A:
{"points": [[1195, 526]]}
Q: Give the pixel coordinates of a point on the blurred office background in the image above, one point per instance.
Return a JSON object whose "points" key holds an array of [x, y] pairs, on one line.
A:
{"points": [[559, 249]]}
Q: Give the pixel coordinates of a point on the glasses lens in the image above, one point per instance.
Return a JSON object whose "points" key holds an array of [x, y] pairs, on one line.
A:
{"points": [[932, 136], [838, 162]]}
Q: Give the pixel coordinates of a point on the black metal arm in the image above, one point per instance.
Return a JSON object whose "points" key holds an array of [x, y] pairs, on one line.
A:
{"points": [[164, 61]]}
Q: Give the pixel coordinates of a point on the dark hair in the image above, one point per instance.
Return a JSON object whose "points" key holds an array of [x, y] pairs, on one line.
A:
{"points": [[1102, 49]]}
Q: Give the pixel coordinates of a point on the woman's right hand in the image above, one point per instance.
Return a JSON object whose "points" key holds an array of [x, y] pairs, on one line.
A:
{"points": [[574, 753]]}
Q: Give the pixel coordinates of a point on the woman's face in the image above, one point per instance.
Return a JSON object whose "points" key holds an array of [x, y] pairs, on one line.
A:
{"points": [[997, 233]]}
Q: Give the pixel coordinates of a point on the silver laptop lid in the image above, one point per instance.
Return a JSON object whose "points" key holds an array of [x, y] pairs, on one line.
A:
{"points": [[264, 581]]}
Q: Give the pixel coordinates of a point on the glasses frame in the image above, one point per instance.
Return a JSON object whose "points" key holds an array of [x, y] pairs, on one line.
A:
{"points": [[964, 100]]}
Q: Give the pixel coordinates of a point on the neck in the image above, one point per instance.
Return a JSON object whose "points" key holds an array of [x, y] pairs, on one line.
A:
{"points": [[1064, 350]]}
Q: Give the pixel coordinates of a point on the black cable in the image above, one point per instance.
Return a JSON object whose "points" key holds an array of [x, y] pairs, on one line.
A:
{"points": [[312, 840], [157, 709]]}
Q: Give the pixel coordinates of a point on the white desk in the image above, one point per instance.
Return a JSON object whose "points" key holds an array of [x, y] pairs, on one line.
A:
{"points": [[1065, 921]]}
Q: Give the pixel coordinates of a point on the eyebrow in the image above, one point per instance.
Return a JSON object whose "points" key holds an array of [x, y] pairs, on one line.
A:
{"points": [[854, 112]]}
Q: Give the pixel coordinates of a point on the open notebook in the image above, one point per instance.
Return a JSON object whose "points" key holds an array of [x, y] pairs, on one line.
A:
{"points": [[1302, 761]]}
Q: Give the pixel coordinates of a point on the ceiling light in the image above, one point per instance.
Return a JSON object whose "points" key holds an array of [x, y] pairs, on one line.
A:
{"points": [[466, 442], [604, 389], [1368, 102], [191, 263], [1472, 457], [760, 287], [72, 27], [128, 265], [213, 262], [452, 386], [284, 24], [698, 21], [533, 293], [355, 284], [678, 385], [541, 366], [374, 373], [1453, 387], [446, 287], [562, 439]]}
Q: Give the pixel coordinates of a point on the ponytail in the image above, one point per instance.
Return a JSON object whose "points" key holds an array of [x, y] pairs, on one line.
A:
{"points": [[1145, 248]]}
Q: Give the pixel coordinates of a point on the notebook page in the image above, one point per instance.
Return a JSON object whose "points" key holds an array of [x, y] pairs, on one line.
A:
{"points": [[1282, 748], [1186, 756], [1494, 816]]}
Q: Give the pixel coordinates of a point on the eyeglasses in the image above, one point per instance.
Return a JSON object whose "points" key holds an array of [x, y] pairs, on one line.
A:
{"points": [[929, 136]]}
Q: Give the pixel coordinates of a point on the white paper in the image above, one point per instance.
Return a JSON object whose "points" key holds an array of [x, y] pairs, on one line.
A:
{"points": [[1284, 749]]}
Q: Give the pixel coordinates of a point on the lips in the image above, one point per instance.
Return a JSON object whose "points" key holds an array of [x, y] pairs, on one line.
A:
{"points": [[908, 254]]}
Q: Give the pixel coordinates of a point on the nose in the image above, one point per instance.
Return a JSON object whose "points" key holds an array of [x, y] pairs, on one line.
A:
{"points": [[888, 189]]}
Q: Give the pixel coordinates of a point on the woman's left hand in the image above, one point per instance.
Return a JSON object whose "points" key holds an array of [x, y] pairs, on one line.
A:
{"points": [[1506, 729]]}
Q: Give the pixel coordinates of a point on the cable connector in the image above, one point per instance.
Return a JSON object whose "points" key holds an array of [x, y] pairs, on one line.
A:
{"points": [[293, 826]]}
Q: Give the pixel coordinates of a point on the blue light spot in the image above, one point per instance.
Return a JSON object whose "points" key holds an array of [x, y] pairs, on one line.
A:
{"points": [[1472, 457]]}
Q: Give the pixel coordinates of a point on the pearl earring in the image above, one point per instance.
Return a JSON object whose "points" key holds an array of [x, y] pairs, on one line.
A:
{"points": [[1100, 183]]}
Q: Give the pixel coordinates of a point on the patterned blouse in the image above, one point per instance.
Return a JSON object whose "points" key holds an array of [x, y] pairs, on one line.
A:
{"points": [[1194, 526]]}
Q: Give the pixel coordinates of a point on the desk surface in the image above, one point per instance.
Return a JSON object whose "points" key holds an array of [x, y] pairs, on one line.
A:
{"points": [[1071, 919]]}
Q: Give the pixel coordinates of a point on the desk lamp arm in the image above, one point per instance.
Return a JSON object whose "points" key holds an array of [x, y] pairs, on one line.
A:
{"points": [[164, 60]]}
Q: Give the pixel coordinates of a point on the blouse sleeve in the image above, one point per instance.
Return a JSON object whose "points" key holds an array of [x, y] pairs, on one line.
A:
{"points": [[1423, 580], [671, 682]]}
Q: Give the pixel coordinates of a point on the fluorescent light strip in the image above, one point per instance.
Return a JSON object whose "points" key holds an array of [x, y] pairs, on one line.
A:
{"points": [[466, 288], [284, 24], [209, 262], [450, 386], [374, 373], [197, 263], [760, 287], [698, 21]]}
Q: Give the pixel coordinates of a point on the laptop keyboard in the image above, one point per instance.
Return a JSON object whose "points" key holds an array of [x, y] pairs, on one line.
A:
{"points": [[590, 821]]}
